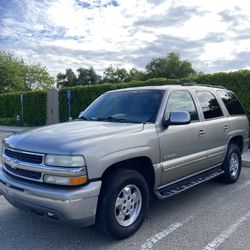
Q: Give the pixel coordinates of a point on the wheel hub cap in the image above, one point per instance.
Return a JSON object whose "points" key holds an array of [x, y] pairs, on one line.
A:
{"points": [[128, 205], [234, 164]]}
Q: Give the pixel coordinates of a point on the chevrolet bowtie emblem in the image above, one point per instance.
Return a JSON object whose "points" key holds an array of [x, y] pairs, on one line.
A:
{"points": [[13, 163]]}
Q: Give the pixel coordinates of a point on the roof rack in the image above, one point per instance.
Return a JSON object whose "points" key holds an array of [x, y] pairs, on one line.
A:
{"points": [[202, 85]]}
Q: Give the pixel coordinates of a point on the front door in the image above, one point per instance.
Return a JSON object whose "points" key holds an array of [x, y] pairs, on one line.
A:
{"points": [[183, 147]]}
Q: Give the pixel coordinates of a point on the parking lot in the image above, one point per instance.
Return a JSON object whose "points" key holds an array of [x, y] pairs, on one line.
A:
{"points": [[210, 216]]}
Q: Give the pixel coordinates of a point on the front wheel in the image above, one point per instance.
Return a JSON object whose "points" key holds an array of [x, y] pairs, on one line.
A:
{"points": [[123, 203], [232, 164]]}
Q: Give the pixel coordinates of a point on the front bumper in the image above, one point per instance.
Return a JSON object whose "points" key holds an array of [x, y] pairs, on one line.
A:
{"points": [[75, 205]]}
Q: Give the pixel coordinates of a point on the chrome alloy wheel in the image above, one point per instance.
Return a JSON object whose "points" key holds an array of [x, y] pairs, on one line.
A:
{"points": [[128, 205], [234, 164]]}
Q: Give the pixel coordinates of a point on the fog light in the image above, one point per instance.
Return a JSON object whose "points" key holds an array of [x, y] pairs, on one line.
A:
{"points": [[69, 181]]}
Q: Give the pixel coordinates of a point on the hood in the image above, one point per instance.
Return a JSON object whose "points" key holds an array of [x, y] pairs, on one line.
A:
{"points": [[65, 137]]}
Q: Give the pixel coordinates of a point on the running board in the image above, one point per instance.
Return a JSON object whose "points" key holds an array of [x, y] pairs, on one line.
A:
{"points": [[193, 181]]}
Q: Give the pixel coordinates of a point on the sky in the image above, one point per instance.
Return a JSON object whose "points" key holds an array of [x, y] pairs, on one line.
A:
{"points": [[213, 35]]}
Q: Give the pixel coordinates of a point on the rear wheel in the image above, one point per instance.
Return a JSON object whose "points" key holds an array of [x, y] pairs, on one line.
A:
{"points": [[232, 164], [123, 203]]}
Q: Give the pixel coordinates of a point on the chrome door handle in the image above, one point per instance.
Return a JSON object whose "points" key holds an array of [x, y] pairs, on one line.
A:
{"points": [[226, 126], [201, 132]]}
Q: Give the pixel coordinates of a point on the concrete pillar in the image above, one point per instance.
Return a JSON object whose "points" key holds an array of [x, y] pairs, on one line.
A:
{"points": [[52, 107]]}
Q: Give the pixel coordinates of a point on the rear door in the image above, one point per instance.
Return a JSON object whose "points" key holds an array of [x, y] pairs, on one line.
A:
{"points": [[183, 147], [216, 126]]}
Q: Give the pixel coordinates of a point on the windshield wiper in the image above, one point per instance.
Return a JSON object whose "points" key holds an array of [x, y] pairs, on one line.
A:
{"points": [[112, 119]]}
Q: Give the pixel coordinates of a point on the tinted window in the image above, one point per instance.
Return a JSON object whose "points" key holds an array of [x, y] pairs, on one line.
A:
{"points": [[209, 104], [181, 101], [231, 102], [131, 106]]}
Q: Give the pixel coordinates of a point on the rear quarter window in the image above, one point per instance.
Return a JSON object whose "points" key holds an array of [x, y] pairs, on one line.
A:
{"points": [[231, 102]]}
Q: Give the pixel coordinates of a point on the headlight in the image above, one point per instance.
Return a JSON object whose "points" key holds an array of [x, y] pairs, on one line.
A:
{"points": [[65, 161]]}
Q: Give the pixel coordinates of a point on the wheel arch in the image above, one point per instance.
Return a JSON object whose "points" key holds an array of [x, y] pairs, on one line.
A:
{"points": [[237, 140], [142, 164]]}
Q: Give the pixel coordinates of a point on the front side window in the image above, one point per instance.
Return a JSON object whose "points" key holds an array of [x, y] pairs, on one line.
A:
{"points": [[181, 101], [209, 104], [136, 106], [231, 102]]}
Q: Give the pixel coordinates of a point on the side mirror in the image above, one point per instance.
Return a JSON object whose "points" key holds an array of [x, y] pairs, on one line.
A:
{"points": [[177, 118]]}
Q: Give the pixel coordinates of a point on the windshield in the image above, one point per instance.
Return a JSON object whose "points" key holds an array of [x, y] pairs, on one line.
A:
{"points": [[137, 106]]}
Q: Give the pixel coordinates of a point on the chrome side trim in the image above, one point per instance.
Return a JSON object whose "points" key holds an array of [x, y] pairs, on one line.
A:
{"points": [[216, 155], [216, 152], [193, 158], [184, 160]]}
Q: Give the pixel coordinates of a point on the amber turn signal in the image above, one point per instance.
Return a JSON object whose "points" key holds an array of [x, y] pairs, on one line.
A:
{"points": [[78, 180], [68, 181]]}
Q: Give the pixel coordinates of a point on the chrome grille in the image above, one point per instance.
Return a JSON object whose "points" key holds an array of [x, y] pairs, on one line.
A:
{"points": [[22, 173], [24, 157], [30, 166]]}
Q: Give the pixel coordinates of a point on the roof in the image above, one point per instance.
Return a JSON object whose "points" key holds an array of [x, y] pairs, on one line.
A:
{"points": [[172, 86]]}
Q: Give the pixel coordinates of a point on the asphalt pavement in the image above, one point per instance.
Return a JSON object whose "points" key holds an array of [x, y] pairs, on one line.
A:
{"points": [[210, 216]]}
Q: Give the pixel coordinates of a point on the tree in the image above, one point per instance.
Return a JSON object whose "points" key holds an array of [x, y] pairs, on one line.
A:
{"points": [[66, 80], [71, 77], [60, 80], [87, 76], [37, 77], [118, 75], [16, 75], [137, 75], [11, 71], [170, 66]]}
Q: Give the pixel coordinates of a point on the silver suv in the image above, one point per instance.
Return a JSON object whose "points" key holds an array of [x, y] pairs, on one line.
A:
{"points": [[125, 146]]}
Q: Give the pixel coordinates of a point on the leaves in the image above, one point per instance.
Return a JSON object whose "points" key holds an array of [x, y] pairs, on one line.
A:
{"points": [[87, 76], [170, 66], [118, 75], [16, 75]]}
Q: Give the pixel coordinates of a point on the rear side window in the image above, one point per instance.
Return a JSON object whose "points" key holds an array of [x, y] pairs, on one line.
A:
{"points": [[231, 102], [181, 101], [209, 104]]}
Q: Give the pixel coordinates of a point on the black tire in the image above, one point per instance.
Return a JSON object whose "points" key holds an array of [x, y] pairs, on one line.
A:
{"points": [[229, 175], [113, 186]]}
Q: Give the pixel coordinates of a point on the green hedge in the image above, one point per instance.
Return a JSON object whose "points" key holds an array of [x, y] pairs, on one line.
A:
{"points": [[35, 108], [35, 103], [8, 121], [238, 82], [82, 96]]}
